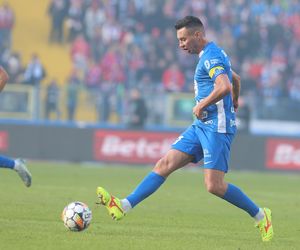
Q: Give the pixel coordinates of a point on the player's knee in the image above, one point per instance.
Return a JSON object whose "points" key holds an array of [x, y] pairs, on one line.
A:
{"points": [[164, 167], [214, 188]]}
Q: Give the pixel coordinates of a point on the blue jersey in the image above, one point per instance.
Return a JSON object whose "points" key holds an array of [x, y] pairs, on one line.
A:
{"points": [[219, 117]]}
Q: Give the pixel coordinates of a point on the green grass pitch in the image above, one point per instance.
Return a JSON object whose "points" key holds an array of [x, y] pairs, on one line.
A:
{"points": [[181, 215]]}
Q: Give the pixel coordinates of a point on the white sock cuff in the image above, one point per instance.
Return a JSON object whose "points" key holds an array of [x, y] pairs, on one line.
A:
{"points": [[126, 205], [260, 215]]}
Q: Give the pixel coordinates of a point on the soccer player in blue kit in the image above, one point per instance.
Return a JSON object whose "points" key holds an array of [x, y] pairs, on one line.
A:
{"points": [[208, 138]]}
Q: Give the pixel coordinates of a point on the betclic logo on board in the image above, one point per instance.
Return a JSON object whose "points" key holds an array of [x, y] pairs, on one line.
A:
{"points": [[141, 147], [283, 154]]}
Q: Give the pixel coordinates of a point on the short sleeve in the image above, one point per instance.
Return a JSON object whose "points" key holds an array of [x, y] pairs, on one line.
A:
{"points": [[214, 65]]}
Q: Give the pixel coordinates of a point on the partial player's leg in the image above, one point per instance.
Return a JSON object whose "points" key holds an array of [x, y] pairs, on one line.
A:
{"points": [[23, 172], [19, 166], [117, 208]]}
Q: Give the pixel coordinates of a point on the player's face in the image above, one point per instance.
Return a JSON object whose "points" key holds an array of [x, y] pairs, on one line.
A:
{"points": [[189, 40]]}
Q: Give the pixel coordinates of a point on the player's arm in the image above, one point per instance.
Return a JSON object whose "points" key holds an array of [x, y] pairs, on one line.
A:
{"points": [[236, 87], [3, 78], [222, 87]]}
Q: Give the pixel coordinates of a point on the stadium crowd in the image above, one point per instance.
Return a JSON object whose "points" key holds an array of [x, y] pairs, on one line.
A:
{"points": [[117, 46]]}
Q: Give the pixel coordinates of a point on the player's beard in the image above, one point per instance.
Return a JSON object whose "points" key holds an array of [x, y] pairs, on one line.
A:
{"points": [[193, 49]]}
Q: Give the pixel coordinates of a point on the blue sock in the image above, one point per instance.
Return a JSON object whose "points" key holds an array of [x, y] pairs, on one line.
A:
{"points": [[6, 162], [236, 197], [148, 186]]}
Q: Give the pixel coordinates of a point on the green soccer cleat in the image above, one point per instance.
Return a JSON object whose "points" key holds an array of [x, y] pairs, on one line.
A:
{"points": [[265, 226], [113, 204], [23, 172]]}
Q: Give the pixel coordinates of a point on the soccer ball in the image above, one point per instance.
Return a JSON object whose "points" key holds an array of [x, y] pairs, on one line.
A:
{"points": [[76, 216]]}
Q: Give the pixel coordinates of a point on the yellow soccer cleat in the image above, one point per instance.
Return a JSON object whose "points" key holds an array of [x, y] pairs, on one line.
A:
{"points": [[113, 204], [265, 226]]}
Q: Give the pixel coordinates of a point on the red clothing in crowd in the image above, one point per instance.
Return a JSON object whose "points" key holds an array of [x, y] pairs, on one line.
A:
{"points": [[173, 79]]}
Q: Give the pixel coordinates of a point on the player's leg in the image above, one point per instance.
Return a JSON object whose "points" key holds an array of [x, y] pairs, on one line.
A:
{"points": [[172, 161], [117, 208], [215, 184], [184, 150], [215, 166], [19, 166], [23, 172], [6, 162]]}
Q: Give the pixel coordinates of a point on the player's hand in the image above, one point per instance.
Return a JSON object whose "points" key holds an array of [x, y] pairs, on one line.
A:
{"points": [[235, 104], [3, 78], [197, 111]]}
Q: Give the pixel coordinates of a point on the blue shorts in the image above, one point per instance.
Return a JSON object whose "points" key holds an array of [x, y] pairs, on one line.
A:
{"points": [[213, 147]]}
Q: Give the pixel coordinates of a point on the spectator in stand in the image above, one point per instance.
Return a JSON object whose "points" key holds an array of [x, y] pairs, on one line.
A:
{"points": [[57, 10], [271, 91], [156, 114], [103, 102], [34, 72], [52, 100], [80, 46], [166, 59], [111, 30], [97, 48], [92, 82], [80, 53], [294, 89], [73, 87], [112, 66], [15, 68], [243, 115], [136, 65], [75, 19], [152, 65], [94, 18], [173, 79], [138, 111], [7, 21], [93, 77]]}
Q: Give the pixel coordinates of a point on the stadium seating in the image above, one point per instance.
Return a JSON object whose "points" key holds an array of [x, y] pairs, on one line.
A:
{"points": [[30, 35]]}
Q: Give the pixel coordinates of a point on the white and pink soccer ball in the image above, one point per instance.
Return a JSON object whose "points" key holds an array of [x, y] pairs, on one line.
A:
{"points": [[76, 216]]}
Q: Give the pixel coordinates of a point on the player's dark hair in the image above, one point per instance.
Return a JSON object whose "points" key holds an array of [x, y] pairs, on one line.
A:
{"points": [[189, 22]]}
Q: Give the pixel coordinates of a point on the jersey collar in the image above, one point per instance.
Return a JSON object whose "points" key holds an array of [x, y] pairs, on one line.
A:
{"points": [[202, 51]]}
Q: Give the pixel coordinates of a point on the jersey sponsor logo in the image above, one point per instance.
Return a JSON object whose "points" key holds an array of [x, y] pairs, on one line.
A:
{"points": [[232, 123], [215, 70], [209, 122], [214, 61], [207, 64]]}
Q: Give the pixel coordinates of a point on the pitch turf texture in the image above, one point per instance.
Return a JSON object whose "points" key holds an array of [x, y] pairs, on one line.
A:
{"points": [[181, 215]]}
